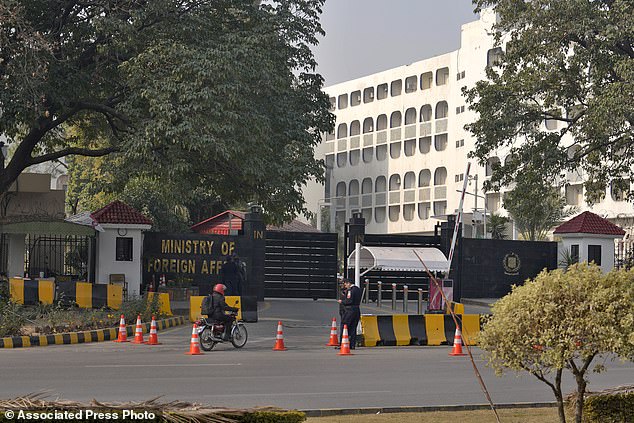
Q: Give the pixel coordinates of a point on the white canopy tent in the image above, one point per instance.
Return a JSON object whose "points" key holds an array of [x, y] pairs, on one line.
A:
{"points": [[399, 259]]}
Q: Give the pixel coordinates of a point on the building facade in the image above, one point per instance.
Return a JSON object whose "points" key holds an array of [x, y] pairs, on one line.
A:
{"points": [[399, 150]]}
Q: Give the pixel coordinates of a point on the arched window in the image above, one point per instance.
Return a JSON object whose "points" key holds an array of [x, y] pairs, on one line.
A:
{"points": [[410, 180], [395, 119], [341, 189], [440, 176], [424, 145], [366, 186], [425, 113], [381, 122], [343, 101], [353, 188], [442, 110], [395, 150], [442, 76], [355, 128], [440, 142], [355, 98], [494, 56], [381, 91], [342, 130], [426, 80], [368, 154], [410, 84], [396, 87], [410, 116], [368, 95], [368, 125], [342, 158], [380, 184], [355, 156], [381, 152], [395, 182], [395, 213], [424, 178]]}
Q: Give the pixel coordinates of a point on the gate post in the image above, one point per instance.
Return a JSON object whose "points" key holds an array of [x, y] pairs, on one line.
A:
{"points": [[405, 298], [254, 230], [379, 293], [393, 296], [420, 301]]}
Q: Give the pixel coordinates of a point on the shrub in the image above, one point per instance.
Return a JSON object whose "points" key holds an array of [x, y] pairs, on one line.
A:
{"points": [[614, 406], [273, 417], [11, 321], [141, 306]]}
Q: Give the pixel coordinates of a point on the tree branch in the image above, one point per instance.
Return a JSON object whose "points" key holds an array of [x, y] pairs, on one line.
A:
{"points": [[73, 151]]}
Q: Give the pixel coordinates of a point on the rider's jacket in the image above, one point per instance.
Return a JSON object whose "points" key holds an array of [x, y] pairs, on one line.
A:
{"points": [[219, 307]]}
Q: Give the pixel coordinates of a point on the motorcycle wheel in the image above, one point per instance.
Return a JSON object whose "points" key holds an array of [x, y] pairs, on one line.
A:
{"points": [[206, 341], [239, 335]]}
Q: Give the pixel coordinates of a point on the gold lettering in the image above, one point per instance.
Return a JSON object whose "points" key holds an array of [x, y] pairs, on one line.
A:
{"points": [[232, 247], [192, 266], [210, 244], [212, 266], [179, 247], [157, 265], [218, 266], [164, 246], [172, 265], [196, 242], [188, 246], [224, 248], [258, 234], [165, 265], [204, 270], [203, 247]]}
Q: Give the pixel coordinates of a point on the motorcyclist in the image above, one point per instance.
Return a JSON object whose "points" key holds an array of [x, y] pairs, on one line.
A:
{"points": [[219, 308]]}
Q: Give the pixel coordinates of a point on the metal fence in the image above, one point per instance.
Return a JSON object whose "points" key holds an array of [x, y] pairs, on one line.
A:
{"points": [[57, 255], [623, 254]]}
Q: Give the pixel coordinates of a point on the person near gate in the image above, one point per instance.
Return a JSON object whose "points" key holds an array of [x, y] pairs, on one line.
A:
{"points": [[352, 313], [229, 275]]}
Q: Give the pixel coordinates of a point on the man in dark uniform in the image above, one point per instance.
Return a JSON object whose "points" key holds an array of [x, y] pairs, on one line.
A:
{"points": [[343, 292], [352, 313]]}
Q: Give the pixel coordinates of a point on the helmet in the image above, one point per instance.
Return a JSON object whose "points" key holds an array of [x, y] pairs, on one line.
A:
{"points": [[220, 288]]}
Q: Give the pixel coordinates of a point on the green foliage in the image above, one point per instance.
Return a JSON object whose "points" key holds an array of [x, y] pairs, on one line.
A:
{"points": [[536, 206], [496, 225], [614, 407], [559, 322], [273, 417], [11, 321], [214, 95], [568, 61], [141, 306]]}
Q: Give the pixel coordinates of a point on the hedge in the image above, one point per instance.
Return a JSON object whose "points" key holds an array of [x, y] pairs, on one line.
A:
{"points": [[614, 406]]}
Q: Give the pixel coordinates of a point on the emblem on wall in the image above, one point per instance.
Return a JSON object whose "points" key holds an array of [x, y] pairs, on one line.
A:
{"points": [[511, 264]]}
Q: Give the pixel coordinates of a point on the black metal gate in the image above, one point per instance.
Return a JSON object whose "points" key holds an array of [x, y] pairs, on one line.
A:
{"points": [[300, 265], [60, 255]]}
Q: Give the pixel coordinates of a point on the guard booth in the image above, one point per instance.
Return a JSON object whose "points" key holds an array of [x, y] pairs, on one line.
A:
{"points": [[397, 260]]}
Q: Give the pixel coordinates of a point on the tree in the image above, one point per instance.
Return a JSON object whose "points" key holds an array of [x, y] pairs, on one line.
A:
{"points": [[569, 62], [535, 206], [217, 94], [496, 225], [560, 322]]}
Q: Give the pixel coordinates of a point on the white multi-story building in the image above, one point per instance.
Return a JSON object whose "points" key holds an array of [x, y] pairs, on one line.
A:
{"points": [[398, 153]]}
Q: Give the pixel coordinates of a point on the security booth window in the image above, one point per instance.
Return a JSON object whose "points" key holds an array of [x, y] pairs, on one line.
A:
{"points": [[123, 249], [574, 253], [594, 254]]}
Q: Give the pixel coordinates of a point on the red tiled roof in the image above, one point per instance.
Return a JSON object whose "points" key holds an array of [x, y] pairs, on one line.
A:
{"points": [[119, 212], [589, 223], [219, 224]]}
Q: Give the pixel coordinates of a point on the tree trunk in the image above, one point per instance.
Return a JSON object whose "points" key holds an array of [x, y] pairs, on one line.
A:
{"points": [[581, 390], [560, 397]]}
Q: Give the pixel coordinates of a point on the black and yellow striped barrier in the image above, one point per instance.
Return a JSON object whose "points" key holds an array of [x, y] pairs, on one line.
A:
{"points": [[426, 329], [89, 295], [247, 305], [32, 292], [82, 337]]}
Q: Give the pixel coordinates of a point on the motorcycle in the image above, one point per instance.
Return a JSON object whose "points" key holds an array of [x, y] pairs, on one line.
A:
{"points": [[210, 333]]}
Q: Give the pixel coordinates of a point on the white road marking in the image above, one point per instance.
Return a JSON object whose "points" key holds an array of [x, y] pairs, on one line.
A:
{"points": [[163, 365]]}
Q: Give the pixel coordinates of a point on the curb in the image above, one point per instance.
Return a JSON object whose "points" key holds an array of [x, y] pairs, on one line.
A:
{"points": [[476, 302], [84, 336], [422, 409]]}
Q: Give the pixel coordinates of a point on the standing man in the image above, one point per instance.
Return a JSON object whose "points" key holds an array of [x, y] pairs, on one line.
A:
{"points": [[352, 313], [229, 276], [343, 292]]}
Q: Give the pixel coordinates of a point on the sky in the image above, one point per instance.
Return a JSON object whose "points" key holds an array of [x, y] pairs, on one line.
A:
{"points": [[368, 36]]}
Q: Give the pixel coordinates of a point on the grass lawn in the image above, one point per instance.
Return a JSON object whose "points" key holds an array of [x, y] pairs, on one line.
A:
{"points": [[518, 415]]}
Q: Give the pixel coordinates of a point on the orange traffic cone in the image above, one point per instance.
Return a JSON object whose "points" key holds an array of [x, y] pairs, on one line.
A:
{"points": [[345, 342], [138, 332], [194, 345], [153, 340], [457, 343], [279, 339], [334, 339], [123, 332]]}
